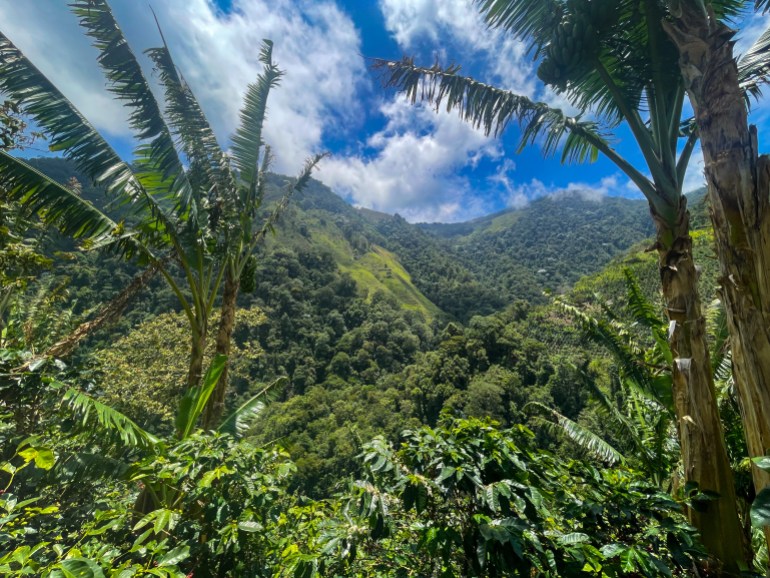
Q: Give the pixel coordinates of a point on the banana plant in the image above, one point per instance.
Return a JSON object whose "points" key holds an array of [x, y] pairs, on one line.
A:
{"points": [[133, 439], [184, 195], [615, 63]]}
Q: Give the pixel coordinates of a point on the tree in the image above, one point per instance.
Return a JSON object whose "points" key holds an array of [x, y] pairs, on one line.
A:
{"points": [[738, 182], [20, 257], [644, 423], [469, 499], [178, 198], [612, 60]]}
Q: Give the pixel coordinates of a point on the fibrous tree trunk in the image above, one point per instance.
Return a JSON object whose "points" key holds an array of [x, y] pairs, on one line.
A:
{"points": [[198, 335], [704, 453], [738, 183], [216, 405], [107, 314]]}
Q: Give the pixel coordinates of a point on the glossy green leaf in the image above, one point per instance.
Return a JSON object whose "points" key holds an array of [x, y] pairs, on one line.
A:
{"points": [[195, 399], [250, 526], [173, 557], [760, 509], [574, 538], [78, 568], [762, 462]]}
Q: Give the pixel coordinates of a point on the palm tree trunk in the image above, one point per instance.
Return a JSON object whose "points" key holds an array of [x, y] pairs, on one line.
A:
{"points": [[704, 453], [198, 337], [215, 407], [738, 189]]}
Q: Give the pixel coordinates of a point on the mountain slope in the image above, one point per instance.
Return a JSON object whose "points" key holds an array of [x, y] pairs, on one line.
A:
{"points": [[456, 270], [547, 245]]}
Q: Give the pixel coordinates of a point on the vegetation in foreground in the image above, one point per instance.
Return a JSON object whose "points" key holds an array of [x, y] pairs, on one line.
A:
{"points": [[93, 485]]}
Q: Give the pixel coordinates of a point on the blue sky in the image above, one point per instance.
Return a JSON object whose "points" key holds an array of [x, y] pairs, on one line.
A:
{"points": [[386, 153]]}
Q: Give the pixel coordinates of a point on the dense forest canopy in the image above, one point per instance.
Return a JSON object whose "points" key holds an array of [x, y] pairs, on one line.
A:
{"points": [[211, 369]]}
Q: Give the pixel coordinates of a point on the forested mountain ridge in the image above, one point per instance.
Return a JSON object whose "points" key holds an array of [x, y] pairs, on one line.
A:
{"points": [[548, 244], [481, 266], [378, 323], [450, 270]]}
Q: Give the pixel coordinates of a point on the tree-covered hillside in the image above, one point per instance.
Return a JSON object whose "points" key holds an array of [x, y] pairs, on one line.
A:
{"points": [[209, 370], [547, 245], [448, 271], [479, 267]]}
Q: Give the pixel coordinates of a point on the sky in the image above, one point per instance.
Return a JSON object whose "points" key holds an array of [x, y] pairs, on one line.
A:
{"points": [[386, 153]]}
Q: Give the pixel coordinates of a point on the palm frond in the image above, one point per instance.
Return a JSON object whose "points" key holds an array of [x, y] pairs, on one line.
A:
{"points": [[762, 5], [209, 169], [67, 130], [240, 421], [492, 109], [644, 313], [113, 421], [613, 338], [195, 399], [754, 67], [628, 356], [83, 466], [482, 105], [642, 310], [247, 140], [723, 375], [251, 201], [160, 169], [716, 322], [529, 21], [582, 436], [61, 207], [608, 407]]}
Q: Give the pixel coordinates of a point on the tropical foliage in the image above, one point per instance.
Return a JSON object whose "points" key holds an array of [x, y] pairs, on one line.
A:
{"points": [[203, 214], [617, 63], [403, 400]]}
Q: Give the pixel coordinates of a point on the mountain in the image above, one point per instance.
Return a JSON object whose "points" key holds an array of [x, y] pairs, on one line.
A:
{"points": [[477, 267], [450, 270], [379, 324], [549, 244]]}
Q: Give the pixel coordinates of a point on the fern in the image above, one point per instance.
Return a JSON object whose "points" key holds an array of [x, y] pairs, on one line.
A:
{"points": [[113, 421], [582, 436]]}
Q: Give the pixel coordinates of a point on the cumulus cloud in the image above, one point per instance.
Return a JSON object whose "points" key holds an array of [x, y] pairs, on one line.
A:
{"points": [[695, 177], [521, 194], [315, 43], [42, 30], [413, 166], [416, 23]]}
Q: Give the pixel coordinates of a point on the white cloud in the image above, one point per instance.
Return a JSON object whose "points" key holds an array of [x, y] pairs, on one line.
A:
{"points": [[412, 21], [459, 23], [694, 177], [414, 166], [315, 43], [41, 30], [519, 195], [750, 30]]}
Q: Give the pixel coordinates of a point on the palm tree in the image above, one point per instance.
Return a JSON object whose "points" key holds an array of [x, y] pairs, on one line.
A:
{"points": [[92, 413], [739, 193], [612, 59], [178, 198], [645, 422]]}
